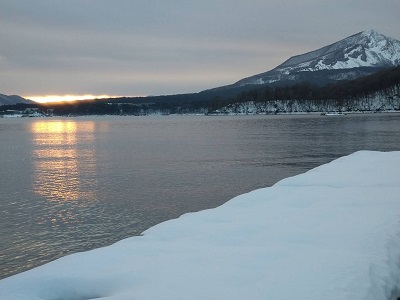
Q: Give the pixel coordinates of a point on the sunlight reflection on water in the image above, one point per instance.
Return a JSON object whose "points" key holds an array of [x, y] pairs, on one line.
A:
{"points": [[58, 175]]}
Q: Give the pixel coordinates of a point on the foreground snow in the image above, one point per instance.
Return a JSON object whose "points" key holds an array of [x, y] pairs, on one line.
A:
{"points": [[331, 233]]}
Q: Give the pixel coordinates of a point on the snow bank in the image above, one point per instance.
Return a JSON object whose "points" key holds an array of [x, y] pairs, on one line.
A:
{"points": [[331, 233]]}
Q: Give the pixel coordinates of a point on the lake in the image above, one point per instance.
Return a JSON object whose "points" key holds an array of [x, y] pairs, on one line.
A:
{"points": [[74, 184]]}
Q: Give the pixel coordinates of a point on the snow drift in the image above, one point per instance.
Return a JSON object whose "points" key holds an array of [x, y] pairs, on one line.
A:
{"points": [[331, 233]]}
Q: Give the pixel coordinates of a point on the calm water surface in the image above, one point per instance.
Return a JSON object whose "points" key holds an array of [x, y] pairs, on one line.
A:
{"points": [[73, 184]]}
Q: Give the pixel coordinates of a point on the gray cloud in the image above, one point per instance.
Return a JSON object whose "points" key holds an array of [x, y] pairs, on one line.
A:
{"points": [[135, 47]]}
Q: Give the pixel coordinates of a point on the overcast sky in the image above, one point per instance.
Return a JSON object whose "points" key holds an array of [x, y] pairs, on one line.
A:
{"points": [[153, 47]]}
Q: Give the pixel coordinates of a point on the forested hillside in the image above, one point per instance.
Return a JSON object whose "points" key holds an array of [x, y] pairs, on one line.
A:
{"points": [[376, 92]]}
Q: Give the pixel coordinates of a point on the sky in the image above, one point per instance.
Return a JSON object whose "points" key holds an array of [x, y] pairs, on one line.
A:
{"points": [[159, 47]]}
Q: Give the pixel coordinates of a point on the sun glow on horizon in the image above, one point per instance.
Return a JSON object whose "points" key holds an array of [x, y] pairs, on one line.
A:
{"points": [[64, 98]]}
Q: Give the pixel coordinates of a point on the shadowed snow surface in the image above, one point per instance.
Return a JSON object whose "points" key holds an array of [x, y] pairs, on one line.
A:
{"points": [[331, 233]]}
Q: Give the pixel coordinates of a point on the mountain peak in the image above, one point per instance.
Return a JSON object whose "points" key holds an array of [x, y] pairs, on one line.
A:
{"points": [[366, 49], [368, 37], [370, 32], [349, 50]]}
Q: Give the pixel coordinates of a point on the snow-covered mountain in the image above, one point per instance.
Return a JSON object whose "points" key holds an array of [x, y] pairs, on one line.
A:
{"points": [[358, 55], [13, 99]]}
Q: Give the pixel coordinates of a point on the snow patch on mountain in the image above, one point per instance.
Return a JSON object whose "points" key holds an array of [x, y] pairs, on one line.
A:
{"points": [[365, 49]]}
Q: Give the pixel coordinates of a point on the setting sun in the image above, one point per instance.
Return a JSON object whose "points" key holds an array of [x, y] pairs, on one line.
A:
{"points": [[60, 98]]}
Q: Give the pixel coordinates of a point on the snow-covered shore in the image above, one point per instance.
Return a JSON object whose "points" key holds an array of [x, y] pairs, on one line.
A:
{"points": [[376, 103], [330, 233]]}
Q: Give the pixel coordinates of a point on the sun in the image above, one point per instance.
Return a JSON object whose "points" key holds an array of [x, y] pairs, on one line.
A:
{"points": [[63, 98]]}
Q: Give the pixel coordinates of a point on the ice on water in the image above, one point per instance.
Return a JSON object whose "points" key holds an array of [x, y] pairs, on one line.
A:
{"points": [[331, 233]]}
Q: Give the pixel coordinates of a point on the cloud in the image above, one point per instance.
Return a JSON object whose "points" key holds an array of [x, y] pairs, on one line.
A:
{"points": [[156, 47]]}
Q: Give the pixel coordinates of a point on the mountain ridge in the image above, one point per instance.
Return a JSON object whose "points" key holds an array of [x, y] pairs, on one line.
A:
{"points": [[366, 49], [13, 99], [368, 37]]}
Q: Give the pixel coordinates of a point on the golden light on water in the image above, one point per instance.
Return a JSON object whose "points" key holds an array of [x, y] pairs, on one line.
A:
{"points": [[67, 127], [62, 98], [60, 147]]}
